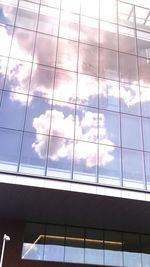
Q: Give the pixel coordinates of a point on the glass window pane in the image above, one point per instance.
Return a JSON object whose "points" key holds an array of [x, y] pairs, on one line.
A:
{"points": [[8, 11], [94, 247], [69, 26], [33, 245], [143, 42], [142, 18], [89, 32], [126, 14], [131, 247], [147, 169], [85, 162], [90, 8], [130, 98], [62, 121], [108, 95], [74, 245], [146, 133], [145, 243], [109, 128], [3, 65], [113, 248], [86, 124], [12, 113], [33, 154], [108, 64], [145, 101], [52, 3], [108, 14], [18, 78], [6, 36], [38, 115], [54, 243], [27, 15], [65, 86], [108, 35], [87, 90], [144, 69], [22, 44], [10, 142], [48, 20], [45, 49], [88, 59], [72, 6], [131, 132], [128, 68], [42, 80], [127, 40], [60, 158], [67, 54], [109, 165], [133, 168]]}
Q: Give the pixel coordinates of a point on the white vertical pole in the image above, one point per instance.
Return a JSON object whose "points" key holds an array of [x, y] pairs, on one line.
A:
{"points": [[5, 238]]}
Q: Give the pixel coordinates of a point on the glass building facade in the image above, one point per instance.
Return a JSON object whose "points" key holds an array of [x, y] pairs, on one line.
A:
{"points": [[85, 245], [75, 90]]}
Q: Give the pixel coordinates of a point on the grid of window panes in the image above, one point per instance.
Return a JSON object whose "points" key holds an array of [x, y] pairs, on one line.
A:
{"points": [[75, 90], [85, 245]]}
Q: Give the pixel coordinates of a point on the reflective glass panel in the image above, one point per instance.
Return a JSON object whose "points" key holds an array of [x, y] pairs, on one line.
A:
{"points": [[10, 142], [88, 59], [3, 65], [108, 14], [74, 245], [65, 86], [145, 243], [73, 6], [130, 98], [33, 154], [48, 20], [12, 113], [126, 14], [18, 79], [54, 243], [60, 157], [8, 10], [144, 69], [143, 42], [45, 49], [62, 120], [6, 36], [108, 64], [127, 40], [94, 246], [85, 161], [108, 95], [113, 248], [133, 168], [67, 54], [89, 33], [38, 115], [109, 165], [69, 26], [27, 15], [90, 8], [147, 169], [128, 68], [131, 124], [145, 101], [108, 35], [131, 245], [33, 246], [109, 128], [22, 44], [146, 133], [87, 90], [42, 79]]}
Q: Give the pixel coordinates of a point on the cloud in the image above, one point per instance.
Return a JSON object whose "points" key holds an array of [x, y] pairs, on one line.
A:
{"points": [[61, 147]]}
